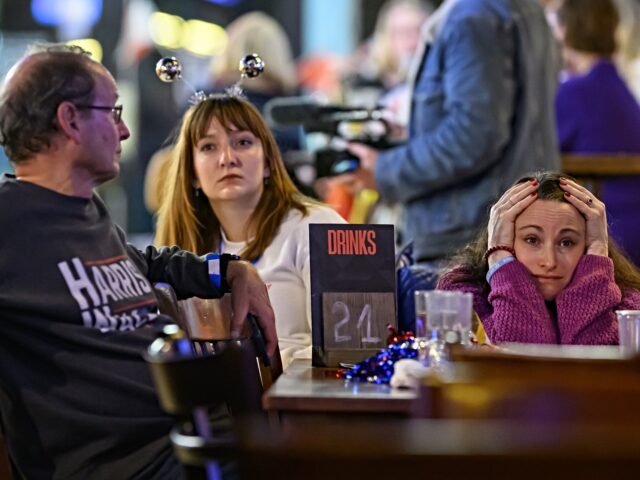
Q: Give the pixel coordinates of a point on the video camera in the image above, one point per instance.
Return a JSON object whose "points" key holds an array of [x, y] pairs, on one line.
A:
{"points": [[341, 123]]}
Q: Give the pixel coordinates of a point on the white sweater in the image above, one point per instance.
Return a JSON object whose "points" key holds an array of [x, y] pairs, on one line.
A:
{"points": [[284, 267]]}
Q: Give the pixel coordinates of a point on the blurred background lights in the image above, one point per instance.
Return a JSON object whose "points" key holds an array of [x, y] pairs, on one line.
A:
{"points": [[91, 45], [204, 38], [72, 17], [166, 30], [197, 36], [226, 3]]}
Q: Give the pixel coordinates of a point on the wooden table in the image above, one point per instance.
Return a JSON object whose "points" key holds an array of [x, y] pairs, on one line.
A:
{"points": [[342, 430], [303, 392], [592, 169], [577, 375], [558, 384], [431, 449], [605, 165]]}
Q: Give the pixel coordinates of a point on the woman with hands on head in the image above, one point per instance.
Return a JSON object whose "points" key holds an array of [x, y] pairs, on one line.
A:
{"points": [[544, 269]]}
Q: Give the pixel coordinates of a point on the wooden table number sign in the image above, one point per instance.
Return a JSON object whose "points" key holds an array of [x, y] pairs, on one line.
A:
{"points": [[353, 286]]}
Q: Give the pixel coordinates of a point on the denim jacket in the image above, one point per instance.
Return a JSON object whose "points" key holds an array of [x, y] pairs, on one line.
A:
{"points": [[481, 117]]}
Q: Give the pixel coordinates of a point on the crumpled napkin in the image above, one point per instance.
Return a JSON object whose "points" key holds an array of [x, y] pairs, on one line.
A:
{"points": [[408, 373]]}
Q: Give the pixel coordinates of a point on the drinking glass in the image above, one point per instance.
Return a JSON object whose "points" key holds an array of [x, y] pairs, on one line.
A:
{"points": [[207, 318], [449, 316], [629, 331], [420, 301], [421, 333]]}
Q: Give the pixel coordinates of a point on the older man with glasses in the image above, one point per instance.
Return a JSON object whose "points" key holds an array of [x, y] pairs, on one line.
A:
{"points": [[76, 301]]}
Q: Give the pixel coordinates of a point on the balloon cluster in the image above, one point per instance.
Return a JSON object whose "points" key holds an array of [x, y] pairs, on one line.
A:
{"points": [[379, 368], [169, 69]]}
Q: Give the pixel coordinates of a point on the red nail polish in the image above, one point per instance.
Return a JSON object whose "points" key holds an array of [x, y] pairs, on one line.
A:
{"points": [[567, 194], [533, 194]]}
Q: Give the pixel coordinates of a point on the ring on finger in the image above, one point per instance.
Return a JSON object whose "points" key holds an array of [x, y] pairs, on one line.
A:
{"points": [[589, 201]]}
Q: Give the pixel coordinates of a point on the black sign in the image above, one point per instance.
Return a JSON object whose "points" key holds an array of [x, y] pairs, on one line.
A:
{"points": [[352, 291]]}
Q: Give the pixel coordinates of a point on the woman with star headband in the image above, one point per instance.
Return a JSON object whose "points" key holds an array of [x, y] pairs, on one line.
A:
{"points": [[227, 190], [545, 270]]}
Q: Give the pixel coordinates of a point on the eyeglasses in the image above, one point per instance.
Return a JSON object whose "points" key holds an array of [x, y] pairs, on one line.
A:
{"points": [[116, 110]]}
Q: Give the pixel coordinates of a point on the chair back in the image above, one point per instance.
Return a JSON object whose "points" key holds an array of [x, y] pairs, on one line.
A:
{"points": [[168, 302], [192, 386], [194, 374], [207, 323], [228, 375]]}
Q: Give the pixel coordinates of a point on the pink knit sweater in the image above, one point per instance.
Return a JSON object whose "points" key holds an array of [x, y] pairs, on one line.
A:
{"points": [[515, 310]]}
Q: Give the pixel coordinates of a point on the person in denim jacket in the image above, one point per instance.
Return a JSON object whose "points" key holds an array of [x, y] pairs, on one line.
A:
{"points": [[481, 116]]}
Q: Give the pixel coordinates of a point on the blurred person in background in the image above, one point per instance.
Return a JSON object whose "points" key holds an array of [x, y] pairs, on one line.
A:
{"points": [[382, 63], [378, 79], [481, 117], [320, 75], [155, 177], [153, 113], [596, 112], [227, 190], [257, 32], [628, 51]]}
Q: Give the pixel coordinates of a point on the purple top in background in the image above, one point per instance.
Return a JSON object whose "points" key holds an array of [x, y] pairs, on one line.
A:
{"points": [[596, 113], [583, 313]]}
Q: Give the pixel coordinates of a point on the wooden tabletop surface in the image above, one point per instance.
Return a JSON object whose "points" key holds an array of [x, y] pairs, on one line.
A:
{"points": [[303, 388]]}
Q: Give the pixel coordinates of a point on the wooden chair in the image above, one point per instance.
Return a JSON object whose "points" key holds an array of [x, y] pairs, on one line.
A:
{"points": [[168, 302], [168, 305], [209, 372], [268, 373], [192, 387]]}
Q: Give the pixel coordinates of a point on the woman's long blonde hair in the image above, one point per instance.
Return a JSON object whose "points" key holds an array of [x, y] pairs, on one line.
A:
{"points": [[186, 219]]}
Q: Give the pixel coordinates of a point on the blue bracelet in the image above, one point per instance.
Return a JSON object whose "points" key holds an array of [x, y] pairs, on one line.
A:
{"points": [[217, 264], [213, 263], [500, 263]]}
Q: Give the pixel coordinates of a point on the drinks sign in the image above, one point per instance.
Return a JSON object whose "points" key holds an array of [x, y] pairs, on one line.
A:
{"points": [[352, 291]]}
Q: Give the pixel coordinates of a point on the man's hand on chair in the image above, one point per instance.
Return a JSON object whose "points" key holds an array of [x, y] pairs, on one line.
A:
{"points": [[249, 295]]}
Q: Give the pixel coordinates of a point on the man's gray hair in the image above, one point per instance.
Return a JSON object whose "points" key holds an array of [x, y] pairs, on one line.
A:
{"points": [[28, 103]]}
